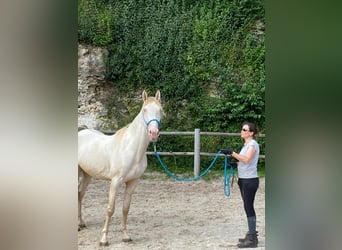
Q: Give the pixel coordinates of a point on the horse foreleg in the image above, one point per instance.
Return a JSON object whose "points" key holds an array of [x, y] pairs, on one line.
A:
{"points": [[110, 210], [83, 182], [130, 187]]}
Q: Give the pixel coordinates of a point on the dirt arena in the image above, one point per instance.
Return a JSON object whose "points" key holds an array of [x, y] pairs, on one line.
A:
{"points": [[167, 214]]}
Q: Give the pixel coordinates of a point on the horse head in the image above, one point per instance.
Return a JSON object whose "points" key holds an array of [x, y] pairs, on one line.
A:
{"points": [[152, 114]]}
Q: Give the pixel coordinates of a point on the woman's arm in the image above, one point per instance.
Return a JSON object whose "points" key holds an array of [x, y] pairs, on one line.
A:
{"points": [[245, 158]]}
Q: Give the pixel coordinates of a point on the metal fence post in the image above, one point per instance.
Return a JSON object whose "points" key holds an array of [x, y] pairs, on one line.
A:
{"points": [[197, 150]]}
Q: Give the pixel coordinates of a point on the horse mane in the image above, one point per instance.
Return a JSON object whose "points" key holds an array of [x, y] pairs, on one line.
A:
{"points": [[122, 130]]}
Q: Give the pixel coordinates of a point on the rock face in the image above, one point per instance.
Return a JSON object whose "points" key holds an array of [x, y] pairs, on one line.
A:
{"points": [[94, 91], [101, 105]]}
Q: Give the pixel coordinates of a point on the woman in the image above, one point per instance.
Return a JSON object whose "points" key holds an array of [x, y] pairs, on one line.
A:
{"points": [[248, 179]]}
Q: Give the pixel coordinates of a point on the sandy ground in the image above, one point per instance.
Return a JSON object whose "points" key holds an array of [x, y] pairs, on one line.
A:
{"points": [[168, 214]]}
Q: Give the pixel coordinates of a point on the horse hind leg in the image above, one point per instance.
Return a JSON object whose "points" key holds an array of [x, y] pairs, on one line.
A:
{"points": [[83, 181], [130, 187]]}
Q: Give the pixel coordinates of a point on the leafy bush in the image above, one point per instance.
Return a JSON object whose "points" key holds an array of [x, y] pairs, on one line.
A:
{"points": [[94, 22]]}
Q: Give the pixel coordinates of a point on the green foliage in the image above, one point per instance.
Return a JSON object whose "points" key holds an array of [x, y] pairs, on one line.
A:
{"points": [[206, 57], [94, 22]]}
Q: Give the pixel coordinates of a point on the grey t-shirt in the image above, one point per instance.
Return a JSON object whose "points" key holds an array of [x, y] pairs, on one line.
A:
{"points": [[249, 170]]}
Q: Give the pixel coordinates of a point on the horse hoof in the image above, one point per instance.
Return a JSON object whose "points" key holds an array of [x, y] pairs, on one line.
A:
{"points": [[104, 244], [127, 240]]}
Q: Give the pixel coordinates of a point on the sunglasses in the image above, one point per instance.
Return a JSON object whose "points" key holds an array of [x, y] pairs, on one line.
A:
{"points": [[244, 129]]}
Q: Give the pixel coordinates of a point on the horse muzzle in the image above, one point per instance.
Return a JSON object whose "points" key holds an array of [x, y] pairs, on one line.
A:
{"points": [[153, 134]]}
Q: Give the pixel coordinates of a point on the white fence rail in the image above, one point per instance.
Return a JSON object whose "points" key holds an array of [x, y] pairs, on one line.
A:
{"points": [[197, 145]]}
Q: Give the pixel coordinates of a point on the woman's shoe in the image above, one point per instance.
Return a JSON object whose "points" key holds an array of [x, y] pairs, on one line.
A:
{"points": [[251, 241], [243, 239]]}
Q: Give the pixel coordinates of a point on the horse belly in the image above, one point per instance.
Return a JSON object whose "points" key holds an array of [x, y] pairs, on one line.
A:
{"points": [[96, 166]]}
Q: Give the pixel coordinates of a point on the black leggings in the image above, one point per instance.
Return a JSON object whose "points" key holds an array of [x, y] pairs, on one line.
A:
{"points": [[248, 188]]}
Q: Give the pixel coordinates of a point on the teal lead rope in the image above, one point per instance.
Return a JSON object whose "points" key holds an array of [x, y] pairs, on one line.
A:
{"points": [[226, 181], [227, 186]]}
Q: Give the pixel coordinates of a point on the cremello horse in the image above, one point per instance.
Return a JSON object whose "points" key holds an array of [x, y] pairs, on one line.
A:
{"points": [[120, 158]]}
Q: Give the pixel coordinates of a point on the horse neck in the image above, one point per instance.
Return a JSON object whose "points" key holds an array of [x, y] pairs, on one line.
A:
{"points": [[138, 129]]}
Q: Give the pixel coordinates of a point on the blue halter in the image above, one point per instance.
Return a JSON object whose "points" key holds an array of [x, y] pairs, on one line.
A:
{"points": [[152, 120]]}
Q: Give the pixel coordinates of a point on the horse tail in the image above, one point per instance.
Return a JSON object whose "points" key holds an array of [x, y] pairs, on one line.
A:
{"points": [[82, 127]]}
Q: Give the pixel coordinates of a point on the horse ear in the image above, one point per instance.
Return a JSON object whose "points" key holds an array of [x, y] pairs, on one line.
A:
{"points": [[144, 95], [158, 95]]}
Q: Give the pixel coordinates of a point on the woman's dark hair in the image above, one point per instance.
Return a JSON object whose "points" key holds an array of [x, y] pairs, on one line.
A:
{"points": [[252, 128]]}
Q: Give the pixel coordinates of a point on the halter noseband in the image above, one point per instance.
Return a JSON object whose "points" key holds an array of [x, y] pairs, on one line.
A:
{"points": [[152, 120]]}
